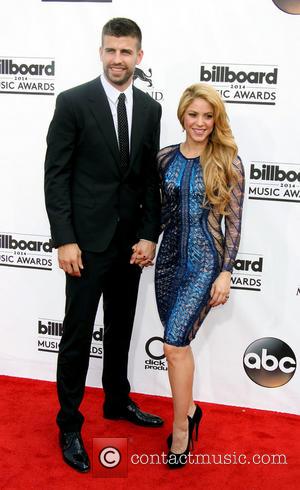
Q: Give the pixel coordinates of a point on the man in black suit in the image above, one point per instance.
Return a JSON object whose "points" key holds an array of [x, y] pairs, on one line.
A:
{"points": [[102, 199]]}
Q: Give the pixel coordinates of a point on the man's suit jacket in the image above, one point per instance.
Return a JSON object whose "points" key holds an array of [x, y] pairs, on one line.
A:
{"points": [[87, 192]]}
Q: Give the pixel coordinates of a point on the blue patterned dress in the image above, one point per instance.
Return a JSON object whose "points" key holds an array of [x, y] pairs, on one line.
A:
{"points": [[194, 249]]}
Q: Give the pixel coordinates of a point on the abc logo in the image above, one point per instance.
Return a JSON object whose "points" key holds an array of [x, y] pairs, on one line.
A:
{"points": [[288, 6], [269, 362], [153, 351]]}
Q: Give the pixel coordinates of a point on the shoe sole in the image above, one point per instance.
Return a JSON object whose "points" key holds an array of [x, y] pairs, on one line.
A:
{"points": [[74, 467], [141, 424]]}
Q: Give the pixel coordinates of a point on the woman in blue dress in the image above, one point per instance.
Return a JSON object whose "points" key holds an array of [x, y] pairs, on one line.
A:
{"points": [[202, 181]]}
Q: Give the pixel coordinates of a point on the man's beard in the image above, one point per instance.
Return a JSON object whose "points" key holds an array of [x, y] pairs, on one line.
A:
{"points": [[116, 80]]}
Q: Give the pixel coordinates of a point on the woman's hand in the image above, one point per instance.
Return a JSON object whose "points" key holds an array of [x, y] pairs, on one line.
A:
{"points": [[220, 290], [143, 253]]}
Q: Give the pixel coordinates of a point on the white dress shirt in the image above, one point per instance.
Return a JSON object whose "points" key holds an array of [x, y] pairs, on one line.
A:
{"points": [[112, 94]]}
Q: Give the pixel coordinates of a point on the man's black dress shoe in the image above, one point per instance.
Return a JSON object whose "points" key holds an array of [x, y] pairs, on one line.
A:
{"points": [[133, 414], [73, 451]]}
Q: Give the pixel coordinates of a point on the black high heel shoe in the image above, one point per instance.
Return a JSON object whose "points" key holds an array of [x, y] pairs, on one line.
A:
{"points": [[169, 440], [194, 422], [178, 460]]}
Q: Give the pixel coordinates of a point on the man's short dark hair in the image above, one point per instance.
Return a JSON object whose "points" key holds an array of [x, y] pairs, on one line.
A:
{"points": [[119, 27]]}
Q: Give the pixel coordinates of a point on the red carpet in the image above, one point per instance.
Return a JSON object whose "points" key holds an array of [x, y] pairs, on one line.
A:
{"points": [[31, 458]]}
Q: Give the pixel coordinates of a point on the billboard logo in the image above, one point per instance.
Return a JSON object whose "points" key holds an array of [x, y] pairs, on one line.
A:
{"points": [[242, 83], [26, 251], [28, 76], [50, 332], [247, 272], [274, 181]]}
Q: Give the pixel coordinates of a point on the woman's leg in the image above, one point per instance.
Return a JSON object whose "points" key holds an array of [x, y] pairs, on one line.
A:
{"points": [[181, 373]]}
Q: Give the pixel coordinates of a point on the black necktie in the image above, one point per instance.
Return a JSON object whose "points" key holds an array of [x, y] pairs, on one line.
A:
{"points": [[123, 132]]}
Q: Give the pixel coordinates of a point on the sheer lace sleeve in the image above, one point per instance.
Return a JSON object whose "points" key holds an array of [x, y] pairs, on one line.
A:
{"points": [[163, 158], [234, 218]]}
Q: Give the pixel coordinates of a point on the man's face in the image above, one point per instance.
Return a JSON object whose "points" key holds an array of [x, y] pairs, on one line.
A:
{"points": [[119, 56]]}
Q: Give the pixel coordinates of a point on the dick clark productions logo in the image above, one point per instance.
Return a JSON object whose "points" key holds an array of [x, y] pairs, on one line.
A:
{"points": [[156, 358], [270, 362]]}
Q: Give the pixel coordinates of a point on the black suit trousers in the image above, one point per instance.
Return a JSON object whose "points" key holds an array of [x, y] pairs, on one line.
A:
{"points": [[108, 273]]}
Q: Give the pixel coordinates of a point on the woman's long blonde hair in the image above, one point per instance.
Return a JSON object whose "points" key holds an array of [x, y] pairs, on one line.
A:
{"points": [[221, 150]]}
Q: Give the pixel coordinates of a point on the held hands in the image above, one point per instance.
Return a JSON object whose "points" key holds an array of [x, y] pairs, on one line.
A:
{"points": [[220, 290], [69, 259], [143, 253]]}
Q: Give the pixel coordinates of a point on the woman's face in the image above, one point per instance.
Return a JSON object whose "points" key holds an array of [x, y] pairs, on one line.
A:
{"points": [[198, 121]]}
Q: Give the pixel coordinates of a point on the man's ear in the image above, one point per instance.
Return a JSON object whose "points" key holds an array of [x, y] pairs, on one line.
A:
{"points": [[139, 56]]}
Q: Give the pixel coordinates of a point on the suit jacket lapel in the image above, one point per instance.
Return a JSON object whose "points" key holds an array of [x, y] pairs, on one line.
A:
{"points": [[138, 122], [100, 108]]}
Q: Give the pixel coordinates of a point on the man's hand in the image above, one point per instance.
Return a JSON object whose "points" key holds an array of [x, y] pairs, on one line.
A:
{"points": [[69, 259], [143, 253]]}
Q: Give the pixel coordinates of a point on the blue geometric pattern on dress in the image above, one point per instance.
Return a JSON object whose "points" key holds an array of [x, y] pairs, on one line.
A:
{"points": [[193, 248]]}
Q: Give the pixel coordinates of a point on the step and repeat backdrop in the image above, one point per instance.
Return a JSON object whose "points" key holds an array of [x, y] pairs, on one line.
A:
{"points": [[248, 350]]}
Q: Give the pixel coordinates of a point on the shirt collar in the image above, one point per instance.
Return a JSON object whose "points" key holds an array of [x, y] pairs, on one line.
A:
{"points": [[113, 93]]}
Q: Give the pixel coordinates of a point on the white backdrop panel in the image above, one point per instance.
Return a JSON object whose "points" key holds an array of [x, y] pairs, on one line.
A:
{"points": [[179, 37]]}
